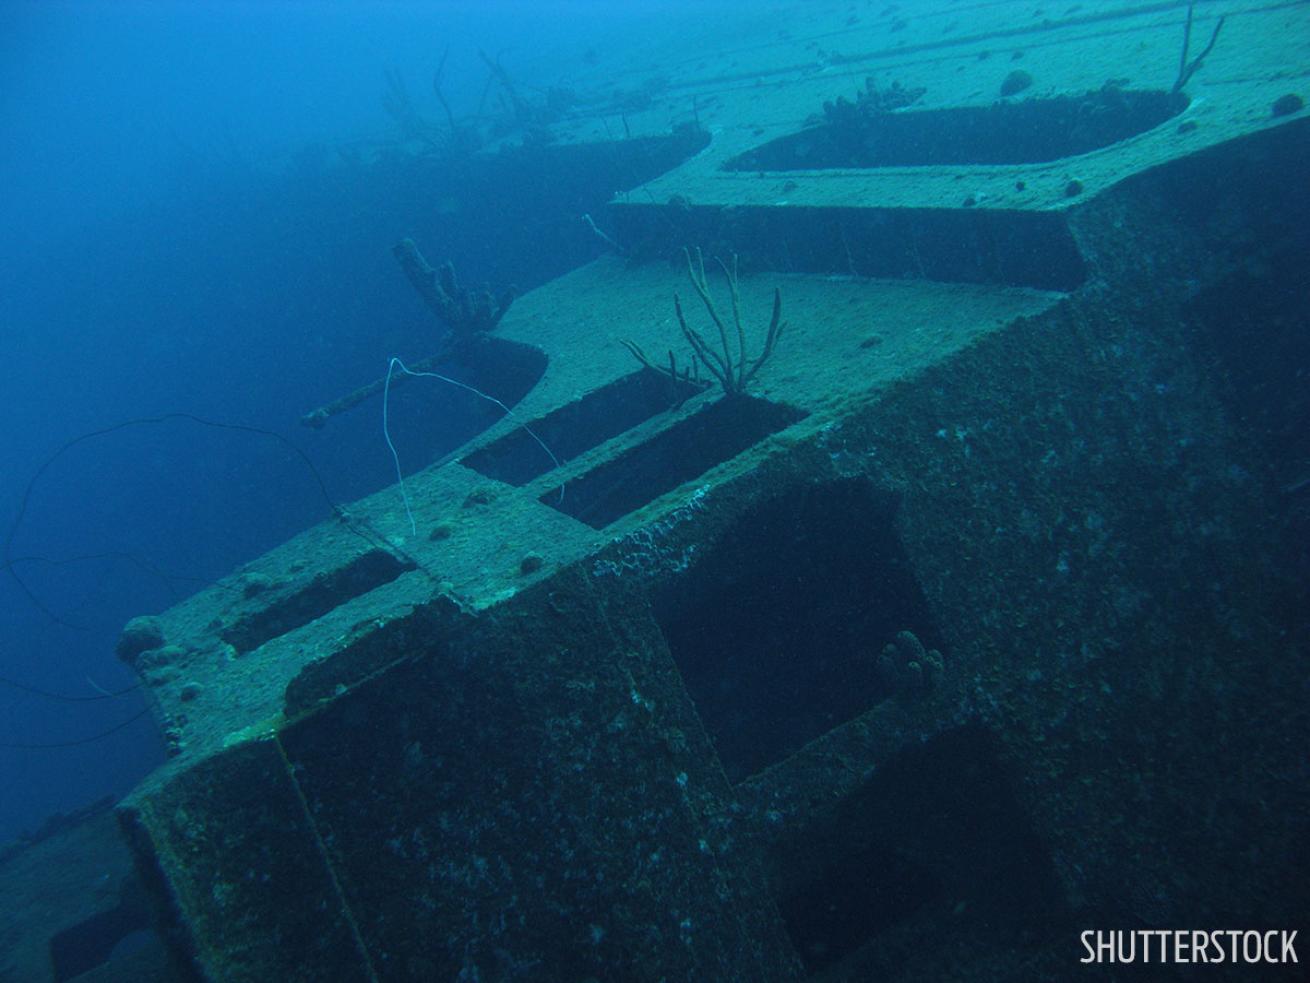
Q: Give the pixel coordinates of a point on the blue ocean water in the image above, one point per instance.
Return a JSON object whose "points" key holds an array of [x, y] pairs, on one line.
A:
{"points": [[181, 235]]}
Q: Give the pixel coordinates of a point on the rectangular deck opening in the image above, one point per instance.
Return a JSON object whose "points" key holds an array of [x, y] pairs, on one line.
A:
{"points": [[326, 591], [686, 450], [579, 426]]}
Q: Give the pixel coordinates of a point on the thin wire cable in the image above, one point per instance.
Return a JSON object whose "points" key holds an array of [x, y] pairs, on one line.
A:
{"points": [[386, 430], [9, 560], [77, 742], [10, 563], [64, 697]]}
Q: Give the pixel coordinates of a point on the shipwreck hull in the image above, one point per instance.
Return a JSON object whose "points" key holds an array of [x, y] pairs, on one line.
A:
{"points": [[679, 733]]}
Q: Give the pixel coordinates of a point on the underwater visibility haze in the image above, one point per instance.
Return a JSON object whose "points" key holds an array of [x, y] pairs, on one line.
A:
{"points": [[766, 490]]}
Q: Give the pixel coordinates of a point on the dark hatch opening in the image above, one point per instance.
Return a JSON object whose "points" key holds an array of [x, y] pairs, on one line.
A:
{"points": [[1025, 132]]}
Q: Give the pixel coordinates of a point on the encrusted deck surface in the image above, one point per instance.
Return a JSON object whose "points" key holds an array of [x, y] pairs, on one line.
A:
{"points": [[845, 342], [753, 74]]}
